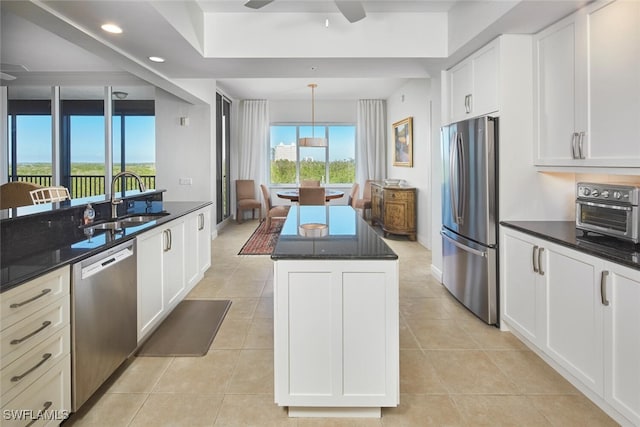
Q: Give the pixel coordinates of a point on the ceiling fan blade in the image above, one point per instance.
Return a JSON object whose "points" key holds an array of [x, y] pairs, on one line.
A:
{"points": [[257, 4], [352, 10]]}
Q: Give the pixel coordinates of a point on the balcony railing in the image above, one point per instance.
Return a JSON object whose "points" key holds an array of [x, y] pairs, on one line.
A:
{"points": [[88, 185]]}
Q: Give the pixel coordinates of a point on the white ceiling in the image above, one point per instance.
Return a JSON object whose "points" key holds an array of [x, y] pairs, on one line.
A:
{"points": [[60, 42]]}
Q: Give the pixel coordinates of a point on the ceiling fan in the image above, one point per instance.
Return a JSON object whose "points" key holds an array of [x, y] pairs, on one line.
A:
{"points": [[350, 9]]}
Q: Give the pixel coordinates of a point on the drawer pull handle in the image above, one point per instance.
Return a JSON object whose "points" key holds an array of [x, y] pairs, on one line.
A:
{"points": [[46, 406], [603, 287], [20, 304], [17, 378], [19, 340]]}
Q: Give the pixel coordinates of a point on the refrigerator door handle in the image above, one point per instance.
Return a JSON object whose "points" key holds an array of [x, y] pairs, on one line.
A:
{"points": [[453, 177], [461, 181], [464, 247]]}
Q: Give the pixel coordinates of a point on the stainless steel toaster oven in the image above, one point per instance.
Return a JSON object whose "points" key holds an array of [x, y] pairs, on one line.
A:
{"points": [[608, 209]]}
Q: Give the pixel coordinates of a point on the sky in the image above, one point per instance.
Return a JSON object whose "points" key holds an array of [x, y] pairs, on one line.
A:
{"points": [[342, 140], [87, 139]]}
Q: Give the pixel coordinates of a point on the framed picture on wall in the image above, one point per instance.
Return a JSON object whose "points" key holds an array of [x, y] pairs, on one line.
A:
{"points": [[403, 142]]}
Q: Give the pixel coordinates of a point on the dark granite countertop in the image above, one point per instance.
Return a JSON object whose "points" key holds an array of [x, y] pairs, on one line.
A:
{"points": [[75, 246], [349, 236], [565, 233]]}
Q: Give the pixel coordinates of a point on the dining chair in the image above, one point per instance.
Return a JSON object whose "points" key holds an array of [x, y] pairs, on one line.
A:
{"points": [[354, 195], [270, 210], [43, 195], [246, 199], [311, 196], [16, 193], [310, 183], [365, 202]]}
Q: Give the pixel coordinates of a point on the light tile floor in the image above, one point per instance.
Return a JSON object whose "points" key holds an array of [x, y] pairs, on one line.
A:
{"points": [[454, 369]]}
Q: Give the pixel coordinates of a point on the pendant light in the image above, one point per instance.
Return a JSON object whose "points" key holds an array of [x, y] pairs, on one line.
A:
{"points": [[313, 141]]}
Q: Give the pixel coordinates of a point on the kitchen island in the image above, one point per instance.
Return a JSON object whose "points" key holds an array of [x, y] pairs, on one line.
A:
{"points": [[336, 315]]}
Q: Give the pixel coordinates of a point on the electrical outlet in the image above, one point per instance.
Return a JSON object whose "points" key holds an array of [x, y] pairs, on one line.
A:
{"points": [[185, 181]]}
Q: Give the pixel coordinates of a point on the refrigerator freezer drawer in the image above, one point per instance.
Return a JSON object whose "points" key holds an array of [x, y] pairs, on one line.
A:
{"points": [[469, 273]]}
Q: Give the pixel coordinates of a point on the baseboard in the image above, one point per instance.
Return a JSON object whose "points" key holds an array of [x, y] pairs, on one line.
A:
{"points": [[436, 273]]}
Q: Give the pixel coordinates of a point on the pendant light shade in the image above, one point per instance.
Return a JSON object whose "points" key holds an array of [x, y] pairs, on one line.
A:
{"points": [[313, 141]]}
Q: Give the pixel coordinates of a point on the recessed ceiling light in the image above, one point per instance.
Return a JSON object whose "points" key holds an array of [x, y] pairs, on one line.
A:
{"points": [[156, 59], [112, 28]]}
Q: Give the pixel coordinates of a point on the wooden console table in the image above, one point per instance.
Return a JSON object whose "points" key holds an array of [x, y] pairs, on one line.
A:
{"points": [[394, 208]]}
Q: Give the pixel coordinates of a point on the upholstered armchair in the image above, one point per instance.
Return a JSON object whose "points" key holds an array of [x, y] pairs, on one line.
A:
{"points": [[246, 199]]}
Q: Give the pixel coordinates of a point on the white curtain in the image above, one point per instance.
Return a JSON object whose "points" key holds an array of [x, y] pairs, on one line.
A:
{"points": [[371, 149], [253, 139]]}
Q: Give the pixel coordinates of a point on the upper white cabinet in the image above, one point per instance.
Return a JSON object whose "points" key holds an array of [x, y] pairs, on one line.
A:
{"points": [[587, 88], [473, 85]]}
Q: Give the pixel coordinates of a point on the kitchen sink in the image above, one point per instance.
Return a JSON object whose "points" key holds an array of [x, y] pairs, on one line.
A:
{"points": [[121, 223]]}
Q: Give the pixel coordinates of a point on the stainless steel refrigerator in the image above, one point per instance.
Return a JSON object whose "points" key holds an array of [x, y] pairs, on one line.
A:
{"points": [[469, 214]]}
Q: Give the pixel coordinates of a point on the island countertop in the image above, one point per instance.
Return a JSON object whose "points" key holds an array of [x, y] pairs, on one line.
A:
{"points": [[349, 236]]}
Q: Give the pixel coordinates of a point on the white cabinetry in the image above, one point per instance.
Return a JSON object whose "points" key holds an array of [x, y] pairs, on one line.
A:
{"points": [[622, 339], [578, 310], [473, 85], [587, 88], [197, 246], [336, 336], [161, 278], [35, 372], [172, 259]]}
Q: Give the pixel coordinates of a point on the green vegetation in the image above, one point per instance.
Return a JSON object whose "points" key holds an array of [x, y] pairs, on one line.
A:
{"points": [[340, 171], [93, 184]]}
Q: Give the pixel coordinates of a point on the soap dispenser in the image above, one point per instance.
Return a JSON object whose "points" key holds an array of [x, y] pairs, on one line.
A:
{"points": [[89, 215]]}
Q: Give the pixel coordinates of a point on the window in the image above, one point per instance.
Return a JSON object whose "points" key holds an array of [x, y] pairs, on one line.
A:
{"points": [[334, 164]]}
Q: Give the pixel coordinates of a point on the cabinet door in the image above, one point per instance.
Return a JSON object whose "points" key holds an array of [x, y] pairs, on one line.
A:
{"points": [[485, 94], [574, 314], [204, 240], [614, 84], [173, 263], [150, 301], [192, 269], [622, 341], [555, 93], [523, 295], [460, 90]]}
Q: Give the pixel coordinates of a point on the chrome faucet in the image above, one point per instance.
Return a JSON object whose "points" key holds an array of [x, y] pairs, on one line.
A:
{"points": [[115, 202]]}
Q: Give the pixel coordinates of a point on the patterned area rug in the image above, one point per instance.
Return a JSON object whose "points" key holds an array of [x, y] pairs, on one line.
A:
{"points": [[263, 241]]}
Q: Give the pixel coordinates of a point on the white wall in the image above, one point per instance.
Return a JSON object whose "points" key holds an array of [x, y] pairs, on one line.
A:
{"points": [[414, 99], [336, 111], [184, 151]]}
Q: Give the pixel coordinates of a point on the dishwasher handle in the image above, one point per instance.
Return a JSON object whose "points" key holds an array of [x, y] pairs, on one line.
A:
{"points": [[106, 262]]}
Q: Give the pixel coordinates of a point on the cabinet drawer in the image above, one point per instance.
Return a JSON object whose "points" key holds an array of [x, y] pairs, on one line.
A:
{"points": [[26, 299], [390, 195], [46, 402], [17, 376], [19, 338]]}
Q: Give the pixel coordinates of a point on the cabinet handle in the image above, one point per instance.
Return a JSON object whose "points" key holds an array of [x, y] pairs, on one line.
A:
{"points": [[165, 240], [17, 378], [467, 103], [200, 221], [603, 287], [533, 258], [46, 406], [580, 142], [540, 261], [20, 304], [19, 340], [574, 139], [170, 239]]}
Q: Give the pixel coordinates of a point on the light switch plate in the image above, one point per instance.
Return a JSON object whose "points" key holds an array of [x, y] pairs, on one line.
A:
{"points": [[185, 181]]}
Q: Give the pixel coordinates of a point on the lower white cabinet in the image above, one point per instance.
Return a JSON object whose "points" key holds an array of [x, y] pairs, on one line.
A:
{"points": [[161, 278], [197, 246], [621, 297], [35, 367], [579, 310], [172, 259], [336, 339]]}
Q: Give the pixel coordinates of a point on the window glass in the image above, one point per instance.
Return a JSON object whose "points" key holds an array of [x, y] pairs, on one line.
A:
{"points": [[334, 164]]}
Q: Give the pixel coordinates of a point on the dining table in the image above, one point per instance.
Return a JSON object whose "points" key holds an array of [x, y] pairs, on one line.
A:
{"points": [[294, 195]]}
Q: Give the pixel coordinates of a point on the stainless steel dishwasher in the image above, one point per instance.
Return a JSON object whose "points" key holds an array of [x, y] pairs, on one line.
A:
{"points": [[103, 318]]}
